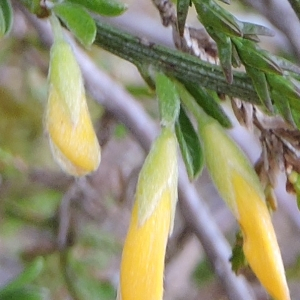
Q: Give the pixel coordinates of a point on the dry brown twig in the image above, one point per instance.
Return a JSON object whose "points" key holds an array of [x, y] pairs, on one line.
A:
{"points": [[195, 41], [279, 142]]}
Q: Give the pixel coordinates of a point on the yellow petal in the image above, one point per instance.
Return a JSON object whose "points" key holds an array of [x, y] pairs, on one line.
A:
{"points": [[141, 274], [74, 146], [260, 244], [142, 266], [222, 156]]}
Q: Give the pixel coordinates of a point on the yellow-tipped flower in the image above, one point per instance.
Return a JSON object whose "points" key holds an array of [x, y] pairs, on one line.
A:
{"points": [[142, 266], [71, 134], [239, 186]]}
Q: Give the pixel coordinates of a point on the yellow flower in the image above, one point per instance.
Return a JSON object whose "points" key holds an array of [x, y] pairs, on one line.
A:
{"points": [[239, 186], [142, 266], [71, 134], [260, 244]]}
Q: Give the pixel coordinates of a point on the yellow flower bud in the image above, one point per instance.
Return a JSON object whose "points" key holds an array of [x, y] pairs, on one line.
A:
{"points": [[71, 134], [142, 266], [260, 244], [239, 186]]}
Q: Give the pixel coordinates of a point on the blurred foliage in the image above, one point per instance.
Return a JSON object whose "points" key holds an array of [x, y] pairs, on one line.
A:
{"points": [[19, 288], [294, 271], [29, 218], [203, 272]]}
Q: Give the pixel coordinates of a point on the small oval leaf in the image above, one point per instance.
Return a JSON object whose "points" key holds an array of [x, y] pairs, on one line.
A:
{"points": [[78, 21], [189, 144], [109, 8]]}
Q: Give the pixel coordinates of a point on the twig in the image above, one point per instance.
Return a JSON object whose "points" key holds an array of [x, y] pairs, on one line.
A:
{"points": [[174, 63], [127, 110], [193, 41], [65, 217], [166, 10]]}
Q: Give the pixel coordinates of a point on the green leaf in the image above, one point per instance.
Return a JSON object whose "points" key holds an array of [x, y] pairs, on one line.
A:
{"points": [[214, 16], [236, 62], [78, 21], [109, 8], [145, 72], [225, 1], [26, 277], [225, 53], [208, 103], [86, 286], [253, 56], [295, 110], [203, 273], [27, 293], [6, 17], [182, 11], [294, 179], [251, 37], [2, 24], [283, 106], [255, 29], [285, 64], [284, 86], [189, 144], [260, 83], [169, 101], [238, 259]]}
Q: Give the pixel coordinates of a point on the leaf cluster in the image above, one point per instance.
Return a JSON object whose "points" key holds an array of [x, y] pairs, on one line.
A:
{"points": [[275, 79], [76, 15]]}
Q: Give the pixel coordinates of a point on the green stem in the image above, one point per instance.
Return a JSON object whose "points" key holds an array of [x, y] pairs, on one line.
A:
{"points": [[173, 63]]}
